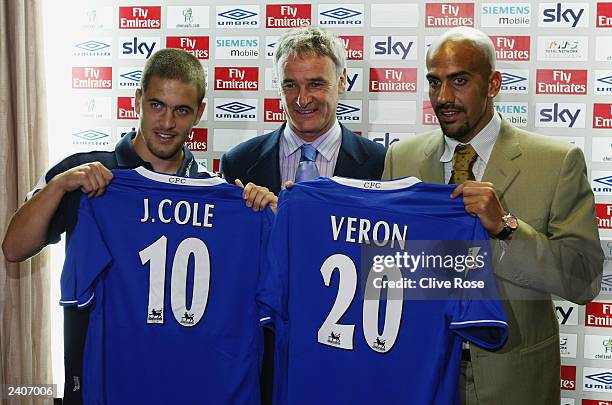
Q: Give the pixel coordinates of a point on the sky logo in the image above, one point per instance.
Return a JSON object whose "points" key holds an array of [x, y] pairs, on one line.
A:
{"points": [[237, 14], [235, 107], [568, 115], [92, 46], [558, 15], [340, 13]]}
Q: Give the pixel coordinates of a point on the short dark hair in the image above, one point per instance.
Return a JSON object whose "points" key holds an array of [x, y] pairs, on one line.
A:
{"points": [[175, 64]]}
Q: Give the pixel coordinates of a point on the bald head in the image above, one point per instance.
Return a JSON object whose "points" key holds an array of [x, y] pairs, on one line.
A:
{"points": [[472, 40]]}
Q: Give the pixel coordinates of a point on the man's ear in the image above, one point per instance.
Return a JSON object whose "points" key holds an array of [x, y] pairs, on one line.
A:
{"points": [[494, 84], [199, 113], [137, 97], [342, 82]]}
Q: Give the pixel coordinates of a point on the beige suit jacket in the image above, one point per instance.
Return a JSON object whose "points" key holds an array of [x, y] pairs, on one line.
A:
{"points": [[555, 250]]}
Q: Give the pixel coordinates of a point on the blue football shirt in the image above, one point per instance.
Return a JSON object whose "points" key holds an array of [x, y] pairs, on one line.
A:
{"points": [[169, 266], [335, 347]]}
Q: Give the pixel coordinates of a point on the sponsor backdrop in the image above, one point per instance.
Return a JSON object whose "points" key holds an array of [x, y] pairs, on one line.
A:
{"points": [[556, 60]]}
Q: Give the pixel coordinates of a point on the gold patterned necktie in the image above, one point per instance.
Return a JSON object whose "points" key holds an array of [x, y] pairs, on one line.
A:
{"points": [[463, 160]]}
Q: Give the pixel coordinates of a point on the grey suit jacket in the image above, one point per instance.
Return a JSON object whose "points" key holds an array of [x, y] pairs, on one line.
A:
{"points": [[555, 250]]}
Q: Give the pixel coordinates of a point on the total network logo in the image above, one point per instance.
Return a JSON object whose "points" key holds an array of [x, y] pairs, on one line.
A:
{"points": [[246, 16], [560, 115], [517, 113], [393, 47], [349, 111], [505, 14], [138, 47], [273, 110], [188, 17], [93, 48], [233, 110], [563, 48], [341, 15], [557, 81], [601, 182], [604, 15], [353, 46], [567, 312], [603, 82], [515, 81], [197, 46], [567, 15], [237, 78], [197, 141], [129, 78], [568, 378], [515, 48], [393, 80], [237, 48], [92, 77], [598, 347], [597, 379], [602, 116], [568, 343], [288, 15], [126, 108], [444, 15], [140, 17]]}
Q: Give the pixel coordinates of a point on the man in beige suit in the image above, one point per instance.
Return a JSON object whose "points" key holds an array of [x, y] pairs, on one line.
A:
{"points": [[532, 196]]}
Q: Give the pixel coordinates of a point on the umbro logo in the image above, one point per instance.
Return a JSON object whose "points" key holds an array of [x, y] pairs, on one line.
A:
{"points": [[92, 46], [607, 280], [134, 75], [606, 80], [604, 180], [604, 378], [341, 13], [237, 14], [508, 78], [90, 135], [235, 107], [345, 109]]}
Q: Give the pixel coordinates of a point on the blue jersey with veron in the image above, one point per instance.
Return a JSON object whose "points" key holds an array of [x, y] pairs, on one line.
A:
{"points": [[344, 334], [169, 266]]}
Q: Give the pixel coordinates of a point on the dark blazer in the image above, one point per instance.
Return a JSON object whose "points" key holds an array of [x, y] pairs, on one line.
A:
{"points": [[256, 160]]}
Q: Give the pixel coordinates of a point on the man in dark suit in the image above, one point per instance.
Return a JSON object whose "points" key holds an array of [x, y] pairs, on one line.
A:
{"points": [[311, 67], [310, 64]]}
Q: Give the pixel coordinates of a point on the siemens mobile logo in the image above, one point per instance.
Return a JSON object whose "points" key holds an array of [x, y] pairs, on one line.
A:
{"points": [[129, 78], [198, 46], [93, 48], [349, 111], [246, 16], [446, 15], [568, 15], [237, 48], [138, 47], [505, 15], [341, 15], [561, 81], [515, 48], [561, 115], [515, 81], [234, 110], [517, 113], [140, 17], [393, 47]]}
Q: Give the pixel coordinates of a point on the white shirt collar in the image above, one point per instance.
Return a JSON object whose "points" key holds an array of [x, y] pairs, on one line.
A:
{"points": [[482, 143], [323, 144]]}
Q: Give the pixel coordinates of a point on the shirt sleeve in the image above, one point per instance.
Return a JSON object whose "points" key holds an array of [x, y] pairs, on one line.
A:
{"points": [[87, 257]]}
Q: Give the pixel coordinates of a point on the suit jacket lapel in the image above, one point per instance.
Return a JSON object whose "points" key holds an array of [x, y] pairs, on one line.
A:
{"points": [[431, 169], [266, 170], [501, 168], [350, 156]]}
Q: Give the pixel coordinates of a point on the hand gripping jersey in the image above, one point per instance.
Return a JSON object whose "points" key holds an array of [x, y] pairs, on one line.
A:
{"points": [[170, 267], [335, 347]]}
